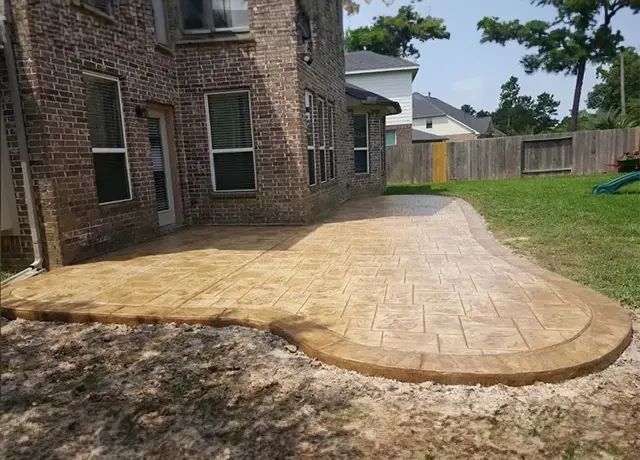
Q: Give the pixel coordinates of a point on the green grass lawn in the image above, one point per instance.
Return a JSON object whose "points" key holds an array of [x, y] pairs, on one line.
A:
{"points": [[594, 240], [5, 272]]}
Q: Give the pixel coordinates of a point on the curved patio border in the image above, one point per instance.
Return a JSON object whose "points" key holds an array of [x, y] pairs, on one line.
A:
{"points": [[599, 344]]}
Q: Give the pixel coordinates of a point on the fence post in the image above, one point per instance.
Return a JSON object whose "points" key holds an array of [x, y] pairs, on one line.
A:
{"points": [[439, 170]]}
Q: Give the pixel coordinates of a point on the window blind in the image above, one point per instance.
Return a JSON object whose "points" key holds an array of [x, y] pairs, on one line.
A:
{"points": [[157, 164], [230, 119], [103, 107]]}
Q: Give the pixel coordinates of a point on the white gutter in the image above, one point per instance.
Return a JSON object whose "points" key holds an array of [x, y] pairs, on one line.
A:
{"points": [[397, 69], [14, 89]]}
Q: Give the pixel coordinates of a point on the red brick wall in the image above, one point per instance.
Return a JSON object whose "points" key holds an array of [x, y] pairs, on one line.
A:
{"points": [[325, 79], [268, 68], [60, 39]]}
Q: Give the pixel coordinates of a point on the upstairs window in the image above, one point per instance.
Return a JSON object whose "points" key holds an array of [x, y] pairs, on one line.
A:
{"points": [[231, 141], [106, 132], [361, 144], [429, 124], [160, 22], [200, 16], [104, 6]]}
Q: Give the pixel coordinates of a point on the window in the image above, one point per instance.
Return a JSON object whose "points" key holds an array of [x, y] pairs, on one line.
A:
{"points": [[214, 15], [330, 143], [108, 146], [361, 144], [105, 6], [160, 22], [322, 134], [383, 150], [231, 141], [429, 123], [309, 129], [390, 138]]}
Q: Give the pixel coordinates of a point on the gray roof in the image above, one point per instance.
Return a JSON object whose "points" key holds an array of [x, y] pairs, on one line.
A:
{"points": [[427, 106], [366, 97], [359, 61], [421, 136]]}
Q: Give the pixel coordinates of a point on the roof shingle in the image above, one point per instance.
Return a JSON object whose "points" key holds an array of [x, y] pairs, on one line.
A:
{"points": [[358, 61], [427, 106]]}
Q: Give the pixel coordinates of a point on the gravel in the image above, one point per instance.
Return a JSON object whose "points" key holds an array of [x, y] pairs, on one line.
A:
{"points": [[77, 391]]}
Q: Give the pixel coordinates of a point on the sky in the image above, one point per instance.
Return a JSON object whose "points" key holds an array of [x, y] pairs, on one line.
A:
{"points": [[461, 70]]}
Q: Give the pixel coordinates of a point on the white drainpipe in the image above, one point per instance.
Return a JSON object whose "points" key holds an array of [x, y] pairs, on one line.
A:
{"points": [[14, 89]]}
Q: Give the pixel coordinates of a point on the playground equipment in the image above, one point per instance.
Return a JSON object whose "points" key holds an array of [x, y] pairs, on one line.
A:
{"points": [[616, 184]]}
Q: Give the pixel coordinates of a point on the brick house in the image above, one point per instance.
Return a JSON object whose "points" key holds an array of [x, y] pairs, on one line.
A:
{"points": [[142, 116]]}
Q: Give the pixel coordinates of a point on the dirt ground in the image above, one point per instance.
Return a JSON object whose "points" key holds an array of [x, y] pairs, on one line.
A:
{"points": [[73, 391]]}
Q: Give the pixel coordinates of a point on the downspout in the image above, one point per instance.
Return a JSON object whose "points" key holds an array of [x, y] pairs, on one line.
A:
{"points": [[14, 89]]}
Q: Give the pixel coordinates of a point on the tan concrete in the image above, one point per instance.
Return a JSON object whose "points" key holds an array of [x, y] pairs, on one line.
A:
{"points": [[409, 287]]}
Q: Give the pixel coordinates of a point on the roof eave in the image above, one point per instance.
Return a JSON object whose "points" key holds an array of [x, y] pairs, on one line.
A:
{"points": [[414, 70]]}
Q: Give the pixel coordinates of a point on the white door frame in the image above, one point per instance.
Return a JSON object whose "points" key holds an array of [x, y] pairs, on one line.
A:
{"points": [[168, 216]]}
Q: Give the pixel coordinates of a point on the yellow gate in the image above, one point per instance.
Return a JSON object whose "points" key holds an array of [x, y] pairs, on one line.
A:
{"points": [[439, 167]]}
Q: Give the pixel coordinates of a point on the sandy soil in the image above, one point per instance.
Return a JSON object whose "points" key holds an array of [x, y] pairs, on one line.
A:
{"points": [[95, 391]]}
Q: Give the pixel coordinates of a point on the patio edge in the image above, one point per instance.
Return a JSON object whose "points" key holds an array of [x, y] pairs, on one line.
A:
{"points": [[597, 346]]}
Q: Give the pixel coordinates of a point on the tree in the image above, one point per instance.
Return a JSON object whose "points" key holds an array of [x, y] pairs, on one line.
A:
{"points": [[483, 114], [581, 33], [606, 94], [520, 114], [353, 7], [392, 35], [468, 109]]}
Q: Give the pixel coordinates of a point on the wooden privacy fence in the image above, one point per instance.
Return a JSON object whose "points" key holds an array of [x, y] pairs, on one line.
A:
{"points": [[582, 152]]}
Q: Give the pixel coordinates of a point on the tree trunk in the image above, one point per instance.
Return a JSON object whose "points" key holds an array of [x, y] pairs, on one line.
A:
{"points": [[575, 110]]}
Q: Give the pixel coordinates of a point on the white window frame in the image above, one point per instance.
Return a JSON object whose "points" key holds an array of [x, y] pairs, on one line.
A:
{"points": [[163, 11], [322, 148], [428, 122], [395, 137], [239, 150], [313, 136], [332, 166], [124, 149], [355, 149], [207, 7]]}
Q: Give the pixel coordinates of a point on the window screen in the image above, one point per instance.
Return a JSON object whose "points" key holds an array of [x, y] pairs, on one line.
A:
{"points": [[160, 22], [231, 141], [230, 14], [112, 181], [193, 15], [103, 106], [211, 15], [106, 132]]}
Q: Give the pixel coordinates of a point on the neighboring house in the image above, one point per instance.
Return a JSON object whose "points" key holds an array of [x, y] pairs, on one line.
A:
{"points": [[435, 120], [390, 77], [144, 115]]}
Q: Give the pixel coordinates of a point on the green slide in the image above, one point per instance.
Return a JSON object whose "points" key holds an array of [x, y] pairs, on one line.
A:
{"points": [[617, 183]]}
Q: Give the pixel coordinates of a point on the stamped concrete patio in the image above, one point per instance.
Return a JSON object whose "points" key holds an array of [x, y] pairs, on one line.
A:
{"points": [[407, 287]]}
